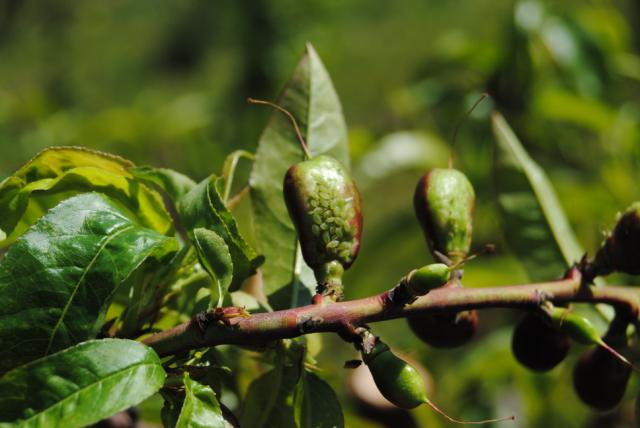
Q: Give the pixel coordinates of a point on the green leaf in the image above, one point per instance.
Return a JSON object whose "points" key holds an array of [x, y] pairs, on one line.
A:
{"points": [[203, 207], [58, 173], [229, 169], [535, 225], [175, 184], [144, 290], [270, 399], [310, 97], [198, 409], [57, 280], [215, 258], [80, 385], [316, 404]]}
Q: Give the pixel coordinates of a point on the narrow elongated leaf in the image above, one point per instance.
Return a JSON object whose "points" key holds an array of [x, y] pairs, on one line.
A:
{"points": [[57, 280], [310, 97], [535, 225], [215, 258], [80, 385], [58, 173], [198, 409], [316, 404], [203, 207], [172, 182]]}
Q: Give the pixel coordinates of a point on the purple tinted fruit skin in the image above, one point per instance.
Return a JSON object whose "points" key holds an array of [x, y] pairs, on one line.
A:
{"points": [[330, 230], [621, 250], [444, 330], [537, 345], [600, 379], [444, 204]]}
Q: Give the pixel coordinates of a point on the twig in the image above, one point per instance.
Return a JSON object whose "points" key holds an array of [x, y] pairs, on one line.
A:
{"points": [[266, 327]]}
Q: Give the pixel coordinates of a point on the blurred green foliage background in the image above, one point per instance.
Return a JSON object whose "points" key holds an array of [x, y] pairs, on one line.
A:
{"points": [[165, 83]]}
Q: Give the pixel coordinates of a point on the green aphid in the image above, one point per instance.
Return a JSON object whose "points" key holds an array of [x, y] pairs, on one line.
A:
{"points": [[329, 231], [444, 203]]}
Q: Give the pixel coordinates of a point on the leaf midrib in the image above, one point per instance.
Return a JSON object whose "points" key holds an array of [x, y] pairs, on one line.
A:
{"points": [[79, 391], [81, 280], [536, 178]]}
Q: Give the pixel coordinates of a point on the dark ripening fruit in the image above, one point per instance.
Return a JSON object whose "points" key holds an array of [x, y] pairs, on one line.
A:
{"points": [[444, 203], [537, 345], [621, 250], [324, 205], [397, 380], [600, 379], [444, 330]]}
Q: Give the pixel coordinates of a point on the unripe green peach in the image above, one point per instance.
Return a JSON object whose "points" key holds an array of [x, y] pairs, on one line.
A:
{"points": [[324, 205], [574, 325], [397, 380], [621, 250], [402, 384], [537, 345], [444, 202], [421, 281]]}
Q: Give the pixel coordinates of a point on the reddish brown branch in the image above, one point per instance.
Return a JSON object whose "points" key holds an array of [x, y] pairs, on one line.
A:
{"points": [[265, 327]]}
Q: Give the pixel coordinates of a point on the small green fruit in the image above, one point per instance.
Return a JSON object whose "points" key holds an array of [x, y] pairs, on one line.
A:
{"points": [[402, 384], [429, 277], [537, 345], [444, 202], [399, 382], [575, 326], [621, 250], [581, 330], [324, 205]]}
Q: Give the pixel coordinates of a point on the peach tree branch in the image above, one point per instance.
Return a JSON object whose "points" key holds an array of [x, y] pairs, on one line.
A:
{"points": [[342, 317]]}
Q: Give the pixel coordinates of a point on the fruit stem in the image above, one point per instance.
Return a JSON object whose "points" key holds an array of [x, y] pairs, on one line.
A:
{"points": [[457, 421], [303, 144], [617, 354], [460, 122]]}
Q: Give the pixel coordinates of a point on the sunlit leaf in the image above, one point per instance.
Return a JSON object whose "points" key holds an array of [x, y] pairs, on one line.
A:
{"points": [[172, 182], [534, 223], [57, 280], [310, 97], [214, 256], [79, 385], [58, 173], [203, 207]]}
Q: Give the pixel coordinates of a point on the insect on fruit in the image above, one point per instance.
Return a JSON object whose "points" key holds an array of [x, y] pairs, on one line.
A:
{"points": [[444, 203], [325, 207]]}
